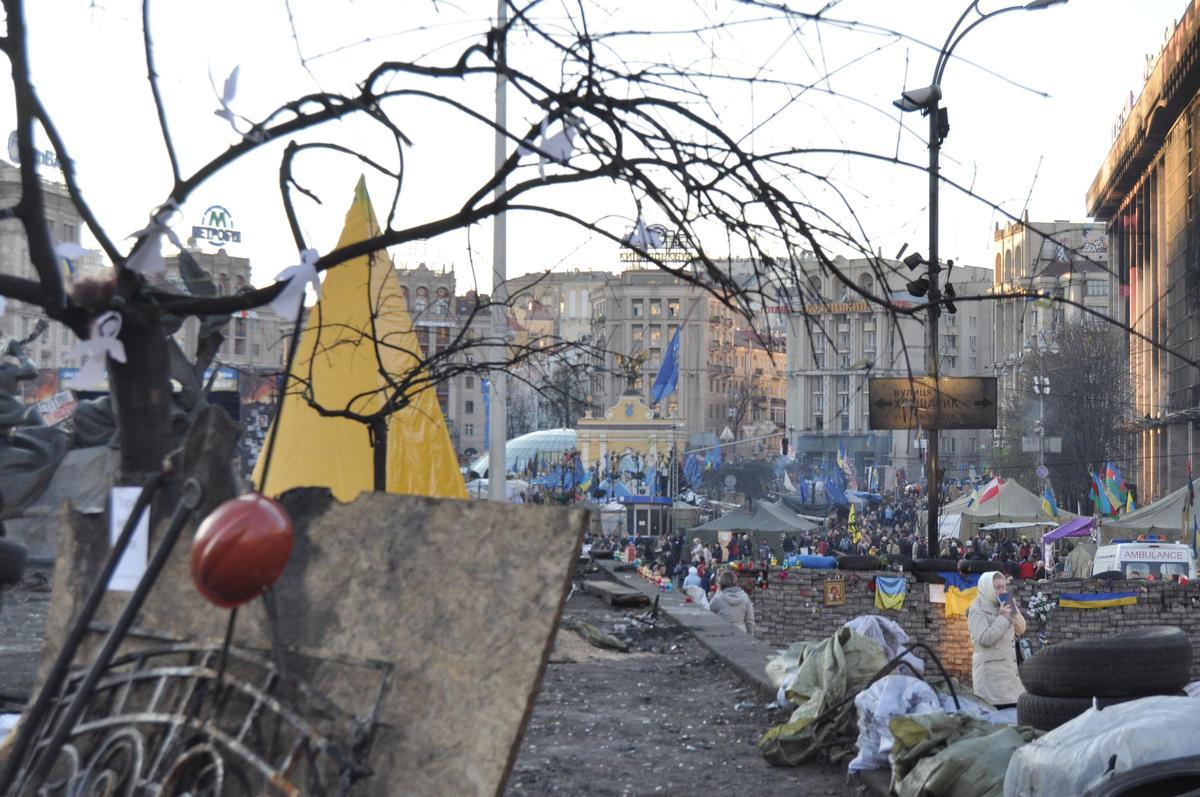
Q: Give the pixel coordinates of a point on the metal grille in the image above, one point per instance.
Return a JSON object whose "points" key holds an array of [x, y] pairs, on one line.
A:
{"points": [[164, 722]]}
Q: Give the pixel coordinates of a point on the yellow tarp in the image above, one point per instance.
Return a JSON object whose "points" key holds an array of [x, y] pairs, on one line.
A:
{"points": [[343, 368]]}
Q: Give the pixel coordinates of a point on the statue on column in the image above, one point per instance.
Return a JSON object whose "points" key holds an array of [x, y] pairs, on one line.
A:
{"points": [[631, 365]]}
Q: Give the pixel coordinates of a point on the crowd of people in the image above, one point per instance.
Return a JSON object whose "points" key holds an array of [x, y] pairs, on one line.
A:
{"points": [[890, 530]]}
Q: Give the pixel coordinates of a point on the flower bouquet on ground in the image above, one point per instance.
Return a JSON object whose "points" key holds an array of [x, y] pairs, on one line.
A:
{"points": [[1041, 606]]}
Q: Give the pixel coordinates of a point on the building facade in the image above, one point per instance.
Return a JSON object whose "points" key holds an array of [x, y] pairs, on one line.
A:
{"points": [[833, 347], [728, 377], [1054, 260], [255, 340], [1147, 191]]}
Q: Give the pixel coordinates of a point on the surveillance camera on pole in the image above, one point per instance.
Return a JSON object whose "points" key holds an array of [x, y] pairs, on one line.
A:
{"points": [[918, 99]]}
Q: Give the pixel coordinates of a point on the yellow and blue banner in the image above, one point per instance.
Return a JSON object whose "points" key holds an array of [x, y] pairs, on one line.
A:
{"points": [[1098, 600], [890, 592]]}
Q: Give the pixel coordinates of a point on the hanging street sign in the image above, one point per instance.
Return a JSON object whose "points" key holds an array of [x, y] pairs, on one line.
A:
{"points": [[216, 227], [951, 402]]}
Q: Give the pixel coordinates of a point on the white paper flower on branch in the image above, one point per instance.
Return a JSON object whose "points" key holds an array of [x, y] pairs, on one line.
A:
{"points": [[645, 238], [225, 98], [99, 346], [147, 258], [291, 299], [557, 148]]}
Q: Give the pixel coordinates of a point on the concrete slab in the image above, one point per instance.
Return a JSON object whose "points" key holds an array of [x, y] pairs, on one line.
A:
{"points": [[616, 594], [744, 654], [436, 655]]}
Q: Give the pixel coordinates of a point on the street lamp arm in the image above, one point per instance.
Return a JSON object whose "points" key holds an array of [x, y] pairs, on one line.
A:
{"points": [[957, 36], [944, 54]]}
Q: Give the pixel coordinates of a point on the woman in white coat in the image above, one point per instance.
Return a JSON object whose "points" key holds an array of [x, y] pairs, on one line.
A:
{"points": [[995, 623]]}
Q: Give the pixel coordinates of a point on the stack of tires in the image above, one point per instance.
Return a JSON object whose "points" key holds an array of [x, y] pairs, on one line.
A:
{"points": [[927, 569], [1062, 681]]}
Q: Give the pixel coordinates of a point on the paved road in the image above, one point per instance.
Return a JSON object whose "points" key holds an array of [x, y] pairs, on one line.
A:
{"points": [[22, 617], [667, 718]]}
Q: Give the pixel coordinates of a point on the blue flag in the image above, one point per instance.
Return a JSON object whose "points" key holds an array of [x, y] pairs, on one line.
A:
{"points": [[668, 373]]}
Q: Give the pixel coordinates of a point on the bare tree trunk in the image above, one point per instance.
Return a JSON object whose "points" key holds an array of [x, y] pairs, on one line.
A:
{"points": [[141, 390], [379, 445]]}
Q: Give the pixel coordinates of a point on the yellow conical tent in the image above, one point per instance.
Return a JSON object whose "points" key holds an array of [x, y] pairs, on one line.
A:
{"points": [[339, 358]]}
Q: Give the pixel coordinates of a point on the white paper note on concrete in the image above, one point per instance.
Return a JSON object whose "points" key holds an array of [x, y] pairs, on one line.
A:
{"points": [[937, 593], [132, 564]]}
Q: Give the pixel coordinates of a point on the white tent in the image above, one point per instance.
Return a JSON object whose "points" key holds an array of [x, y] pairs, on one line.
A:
{"points": [[1164, 517], [1013, 504]]}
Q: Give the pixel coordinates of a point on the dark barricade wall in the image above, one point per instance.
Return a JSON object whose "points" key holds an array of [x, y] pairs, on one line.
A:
{"points": [[793, 607]]}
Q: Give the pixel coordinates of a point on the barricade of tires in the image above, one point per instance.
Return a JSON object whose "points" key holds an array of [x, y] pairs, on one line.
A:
{"points": [[1064, 680]]}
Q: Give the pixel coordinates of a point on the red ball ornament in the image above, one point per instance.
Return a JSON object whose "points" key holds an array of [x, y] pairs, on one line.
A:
{"points": [[241, 549]]}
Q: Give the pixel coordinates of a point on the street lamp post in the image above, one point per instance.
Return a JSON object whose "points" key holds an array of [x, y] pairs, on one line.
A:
{"points": [[927, 101]]}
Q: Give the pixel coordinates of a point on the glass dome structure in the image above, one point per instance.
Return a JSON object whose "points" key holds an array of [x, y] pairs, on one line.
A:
{"points": [[546, 446]]}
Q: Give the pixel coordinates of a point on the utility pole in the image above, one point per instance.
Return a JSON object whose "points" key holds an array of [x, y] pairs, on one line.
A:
{"points": [[927, 101], [497, 461], [933, 482]]}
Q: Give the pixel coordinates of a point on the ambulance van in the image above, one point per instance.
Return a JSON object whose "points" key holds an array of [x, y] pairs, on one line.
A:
{"points": [[1153, 561]]}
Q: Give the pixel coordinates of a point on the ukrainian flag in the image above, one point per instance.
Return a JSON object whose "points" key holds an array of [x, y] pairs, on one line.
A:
{"points": [[1098, 600], [960, 592]]}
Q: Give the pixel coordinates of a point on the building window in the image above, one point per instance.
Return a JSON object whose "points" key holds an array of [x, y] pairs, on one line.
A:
{"points": [[971, 322], [469, 382], [655, 308], [1097, 287], [469, 429], [637, 308], [974, 363], [655, 334], [469, 407], [672, 308], [843, 399], [817, 392], [639, 333]]}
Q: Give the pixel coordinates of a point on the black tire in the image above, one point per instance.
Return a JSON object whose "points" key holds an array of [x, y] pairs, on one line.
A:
{"points": [[1110, 575], [935, 565], [905, 562], [12, 561], [928, 577], [857, 562], [1148, 661], [981, 566], [1176, 776], [1047, 713]]}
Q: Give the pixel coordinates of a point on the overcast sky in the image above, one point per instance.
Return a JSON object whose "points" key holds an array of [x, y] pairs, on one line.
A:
{"points": [[1011, 144]]}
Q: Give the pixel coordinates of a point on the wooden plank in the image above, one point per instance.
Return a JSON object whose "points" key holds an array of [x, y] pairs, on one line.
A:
{"points": [[615, 594]]}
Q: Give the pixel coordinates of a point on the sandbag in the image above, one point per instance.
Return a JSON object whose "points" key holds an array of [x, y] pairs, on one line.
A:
{"points": [[1074, 757], [890, 696], [839, 666], [931, 756], [969, 768], [890, 636]]}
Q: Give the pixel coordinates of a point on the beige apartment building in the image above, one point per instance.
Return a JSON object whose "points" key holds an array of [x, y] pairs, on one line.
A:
{"points": [[1146, 193], [728, 376], [836, 340], [1055, 260]]}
